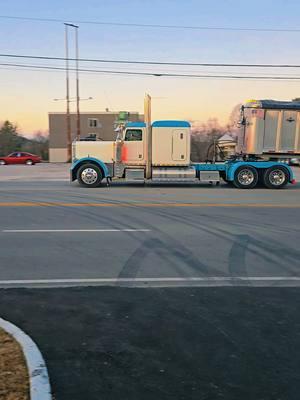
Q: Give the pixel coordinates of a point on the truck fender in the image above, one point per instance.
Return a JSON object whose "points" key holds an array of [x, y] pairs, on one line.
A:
{"points": [[259, 165], [88, 160], [232, 167]]}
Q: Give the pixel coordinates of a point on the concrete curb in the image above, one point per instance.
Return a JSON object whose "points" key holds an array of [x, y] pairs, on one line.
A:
{"points": [[37, 370]]}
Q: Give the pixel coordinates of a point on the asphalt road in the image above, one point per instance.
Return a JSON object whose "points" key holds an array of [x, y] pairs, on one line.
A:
{"points": [[143, 341], [52, 233], [164, 343]]}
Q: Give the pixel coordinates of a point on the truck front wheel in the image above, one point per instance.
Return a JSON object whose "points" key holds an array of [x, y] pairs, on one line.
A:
{"points": [[245, 177], [275, 177], [89, 175]]}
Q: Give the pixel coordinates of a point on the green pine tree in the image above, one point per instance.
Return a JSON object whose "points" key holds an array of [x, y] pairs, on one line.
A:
{"points": [[10, 140]]}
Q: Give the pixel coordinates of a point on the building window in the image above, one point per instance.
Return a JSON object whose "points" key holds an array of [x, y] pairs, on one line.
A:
{"points": [[94, 123], [92, 136], [133, 135]]}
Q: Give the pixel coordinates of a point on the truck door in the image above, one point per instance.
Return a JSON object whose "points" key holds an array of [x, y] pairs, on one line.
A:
{"points": [[179, 145], [288, 131], [133, 148]]}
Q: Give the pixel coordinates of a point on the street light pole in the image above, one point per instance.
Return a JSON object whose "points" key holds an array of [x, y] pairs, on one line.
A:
{"points": [[77, 82], [68, 118]]}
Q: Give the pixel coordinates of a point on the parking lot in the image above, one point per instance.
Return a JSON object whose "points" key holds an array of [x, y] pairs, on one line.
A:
{"points": [[204, 285]]}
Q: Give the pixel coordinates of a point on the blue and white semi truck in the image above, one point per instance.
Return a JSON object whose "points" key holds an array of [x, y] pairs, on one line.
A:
{"points": [[160, 152]]}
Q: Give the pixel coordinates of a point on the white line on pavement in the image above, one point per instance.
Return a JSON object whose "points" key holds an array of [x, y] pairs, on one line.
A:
{"points": [[153, 282], [71, 230]]}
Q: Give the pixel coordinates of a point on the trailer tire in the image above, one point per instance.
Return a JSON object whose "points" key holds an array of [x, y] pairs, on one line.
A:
{"points": [[89, 175], [245, 177], [275, 177]]}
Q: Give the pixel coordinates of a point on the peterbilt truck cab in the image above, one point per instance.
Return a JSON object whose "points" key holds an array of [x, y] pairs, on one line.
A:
{"points": [[159, 152]]}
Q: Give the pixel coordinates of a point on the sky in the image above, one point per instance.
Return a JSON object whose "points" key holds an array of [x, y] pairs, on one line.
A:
{"points": [[26, 97]]}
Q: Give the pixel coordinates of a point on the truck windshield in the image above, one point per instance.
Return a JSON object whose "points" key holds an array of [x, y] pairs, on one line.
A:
{"points": [[133, 135]]}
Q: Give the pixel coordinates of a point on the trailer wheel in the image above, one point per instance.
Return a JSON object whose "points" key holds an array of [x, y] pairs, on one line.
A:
{"points": [[275, 177], [89, 175], [245, 177]]}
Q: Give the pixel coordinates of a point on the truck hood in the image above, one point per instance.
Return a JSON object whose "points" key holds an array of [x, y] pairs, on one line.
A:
{"points": [[102, 150]]}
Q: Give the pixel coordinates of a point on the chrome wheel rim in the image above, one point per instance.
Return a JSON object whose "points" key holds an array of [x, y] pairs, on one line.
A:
{"points": [[277, 177], [245, 177], [89, 176], [29, 162], [2, 162]]}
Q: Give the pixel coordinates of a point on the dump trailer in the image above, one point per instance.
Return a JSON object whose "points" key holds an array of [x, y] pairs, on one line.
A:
{"points": [[271, 129], [160, 152]]}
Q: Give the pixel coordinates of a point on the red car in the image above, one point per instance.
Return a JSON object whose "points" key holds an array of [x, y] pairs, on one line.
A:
{"points": [[20, 158]]}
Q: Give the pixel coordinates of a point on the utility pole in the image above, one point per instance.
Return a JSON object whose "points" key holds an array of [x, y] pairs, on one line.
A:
{"points": [[147, 119], [77, 82], [68, 118]]}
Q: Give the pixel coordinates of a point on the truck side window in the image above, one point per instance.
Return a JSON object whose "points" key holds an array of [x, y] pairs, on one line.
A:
{"points": [[133, 135]]}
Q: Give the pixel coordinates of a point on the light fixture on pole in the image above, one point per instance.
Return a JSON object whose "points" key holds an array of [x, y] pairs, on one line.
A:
{"points": [[73, 99]]}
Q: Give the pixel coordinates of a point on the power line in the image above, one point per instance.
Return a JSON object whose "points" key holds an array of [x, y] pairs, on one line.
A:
{"points": [[92, 72], [155, 74], [155, 26], [152, 62]]}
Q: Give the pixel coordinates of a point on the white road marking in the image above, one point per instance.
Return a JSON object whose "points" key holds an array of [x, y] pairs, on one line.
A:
{"points": [[71, 230], [155, 282]]}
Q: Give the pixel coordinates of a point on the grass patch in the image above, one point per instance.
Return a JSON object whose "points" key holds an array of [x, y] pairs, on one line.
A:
{"points": [[14, 380]]}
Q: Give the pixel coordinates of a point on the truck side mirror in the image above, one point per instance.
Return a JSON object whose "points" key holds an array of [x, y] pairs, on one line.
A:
{"points": [[241, 122]]}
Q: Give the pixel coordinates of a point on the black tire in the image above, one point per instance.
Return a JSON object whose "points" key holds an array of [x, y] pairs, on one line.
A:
{"points": [[275, 177], [29, 162], [245, 177], [89, 175], [2, 162]]}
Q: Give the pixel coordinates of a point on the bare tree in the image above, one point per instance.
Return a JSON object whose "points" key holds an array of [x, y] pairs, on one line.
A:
{"points": [[203, 135], [39, 144]]}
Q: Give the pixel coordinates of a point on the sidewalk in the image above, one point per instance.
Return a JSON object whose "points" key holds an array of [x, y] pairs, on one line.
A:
{"points": [[38, 172]]}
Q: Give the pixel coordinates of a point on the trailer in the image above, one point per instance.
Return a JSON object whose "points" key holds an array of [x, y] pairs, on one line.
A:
{"points": [[160, 152], [271, 129]]}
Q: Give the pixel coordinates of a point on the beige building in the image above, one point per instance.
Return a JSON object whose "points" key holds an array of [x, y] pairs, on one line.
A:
{"points": [[100, 124]]}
